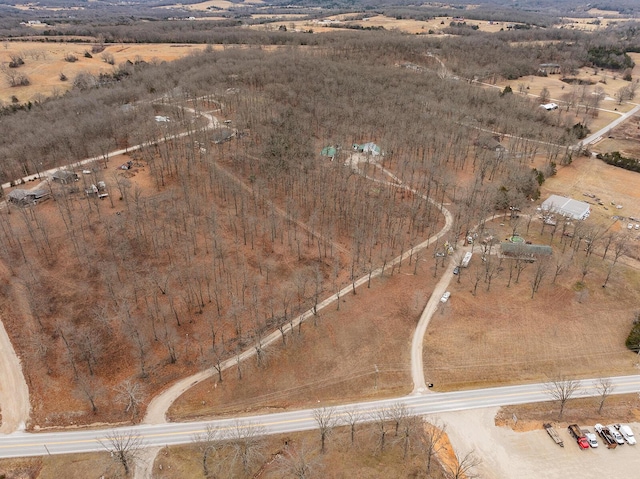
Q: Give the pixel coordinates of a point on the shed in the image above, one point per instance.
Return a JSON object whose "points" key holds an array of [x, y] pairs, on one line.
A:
{"points": [[567, 207], [64, 176], [523, 250]]}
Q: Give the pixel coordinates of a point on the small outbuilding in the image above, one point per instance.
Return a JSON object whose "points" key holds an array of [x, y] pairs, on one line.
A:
{"points": [[567, 207], [525, 251]]}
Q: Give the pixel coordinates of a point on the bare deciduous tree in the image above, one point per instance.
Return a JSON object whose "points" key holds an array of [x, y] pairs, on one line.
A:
{"points": [[124, 448], [464, 465], [604, 388], [398, 413], [352, 418], [299, 462], [381, 420], [431, 442], [247, 441], [561, 389], [130, 394], [209, 443], [326, 420]]}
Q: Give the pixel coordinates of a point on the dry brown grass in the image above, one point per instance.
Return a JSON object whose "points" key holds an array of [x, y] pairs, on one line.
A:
{"points": [[388, 23], [76, 466], [45, 61], [341, 460], [331, 363], [503, 336]]}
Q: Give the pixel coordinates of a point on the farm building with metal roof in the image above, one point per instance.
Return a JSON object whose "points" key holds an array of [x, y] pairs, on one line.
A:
{"points": [[567, 207]]}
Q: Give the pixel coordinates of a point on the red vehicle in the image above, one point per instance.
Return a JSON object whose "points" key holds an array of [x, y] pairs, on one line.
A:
{"points": [[580, 438]]}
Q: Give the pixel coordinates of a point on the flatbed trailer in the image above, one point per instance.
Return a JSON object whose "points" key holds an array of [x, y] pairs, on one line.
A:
{"points": [[553, 434]]}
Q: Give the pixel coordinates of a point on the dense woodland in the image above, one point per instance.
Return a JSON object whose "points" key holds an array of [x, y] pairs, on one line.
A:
{"points": [[232, 240], [480, 56]]}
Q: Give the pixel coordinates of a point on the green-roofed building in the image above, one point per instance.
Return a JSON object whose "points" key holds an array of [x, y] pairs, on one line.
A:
{"points": [[329, 152]]}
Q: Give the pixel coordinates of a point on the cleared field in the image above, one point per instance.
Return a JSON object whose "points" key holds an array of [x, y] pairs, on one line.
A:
{"points": [[44, 63], [405, 25], [212, 5]]}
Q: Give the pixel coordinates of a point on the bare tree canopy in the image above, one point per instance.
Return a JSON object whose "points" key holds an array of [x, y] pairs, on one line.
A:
{"points": [[326, 420], [124, 448], [561, 389]]}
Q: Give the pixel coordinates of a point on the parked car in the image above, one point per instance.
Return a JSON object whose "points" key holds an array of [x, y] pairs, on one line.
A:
{"points": [[445, 297], [456, 270], [626, 433], [616, 434], [591, 438]]}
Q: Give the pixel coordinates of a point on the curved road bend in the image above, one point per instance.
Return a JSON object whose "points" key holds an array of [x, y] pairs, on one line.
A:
{"points": [[22, 444]]}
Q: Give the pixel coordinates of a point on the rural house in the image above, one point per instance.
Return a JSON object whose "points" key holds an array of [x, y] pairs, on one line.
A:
{"points": [[368, 148], [567, 207], [64, 176], [27, 197]]}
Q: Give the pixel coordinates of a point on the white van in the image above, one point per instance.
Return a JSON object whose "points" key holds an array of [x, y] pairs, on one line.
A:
{"points": [[445, 297]]}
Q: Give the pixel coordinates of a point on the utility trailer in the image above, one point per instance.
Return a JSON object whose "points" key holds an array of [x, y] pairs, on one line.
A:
{"points": [[553, 434]]}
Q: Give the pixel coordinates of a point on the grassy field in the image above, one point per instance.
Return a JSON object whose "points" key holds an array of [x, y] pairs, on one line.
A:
{"points": [[45, 62]]}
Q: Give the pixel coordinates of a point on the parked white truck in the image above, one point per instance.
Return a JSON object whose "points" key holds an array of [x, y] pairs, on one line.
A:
{"points": [[627, 434]]}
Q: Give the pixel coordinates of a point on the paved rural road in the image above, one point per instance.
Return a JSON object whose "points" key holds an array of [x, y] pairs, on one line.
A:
{"points": [[20, 444], [604, 131]]}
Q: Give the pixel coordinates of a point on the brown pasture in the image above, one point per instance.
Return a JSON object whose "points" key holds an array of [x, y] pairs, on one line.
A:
{"points": [[45, 61]]}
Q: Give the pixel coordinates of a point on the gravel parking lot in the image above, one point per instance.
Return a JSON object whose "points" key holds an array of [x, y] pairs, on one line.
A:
{"points": [[507, 454]]}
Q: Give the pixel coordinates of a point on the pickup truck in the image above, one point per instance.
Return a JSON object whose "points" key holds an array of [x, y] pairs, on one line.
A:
{"points": [[575, 431], [627, 434], [591, 438], [616, 434], [606, 437]]}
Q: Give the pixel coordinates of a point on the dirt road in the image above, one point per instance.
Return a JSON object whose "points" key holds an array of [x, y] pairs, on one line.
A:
{"points": [[14, 393]]}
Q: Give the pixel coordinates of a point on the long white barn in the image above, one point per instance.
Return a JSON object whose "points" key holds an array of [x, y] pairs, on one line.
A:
{"points": [[567, 207]]}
